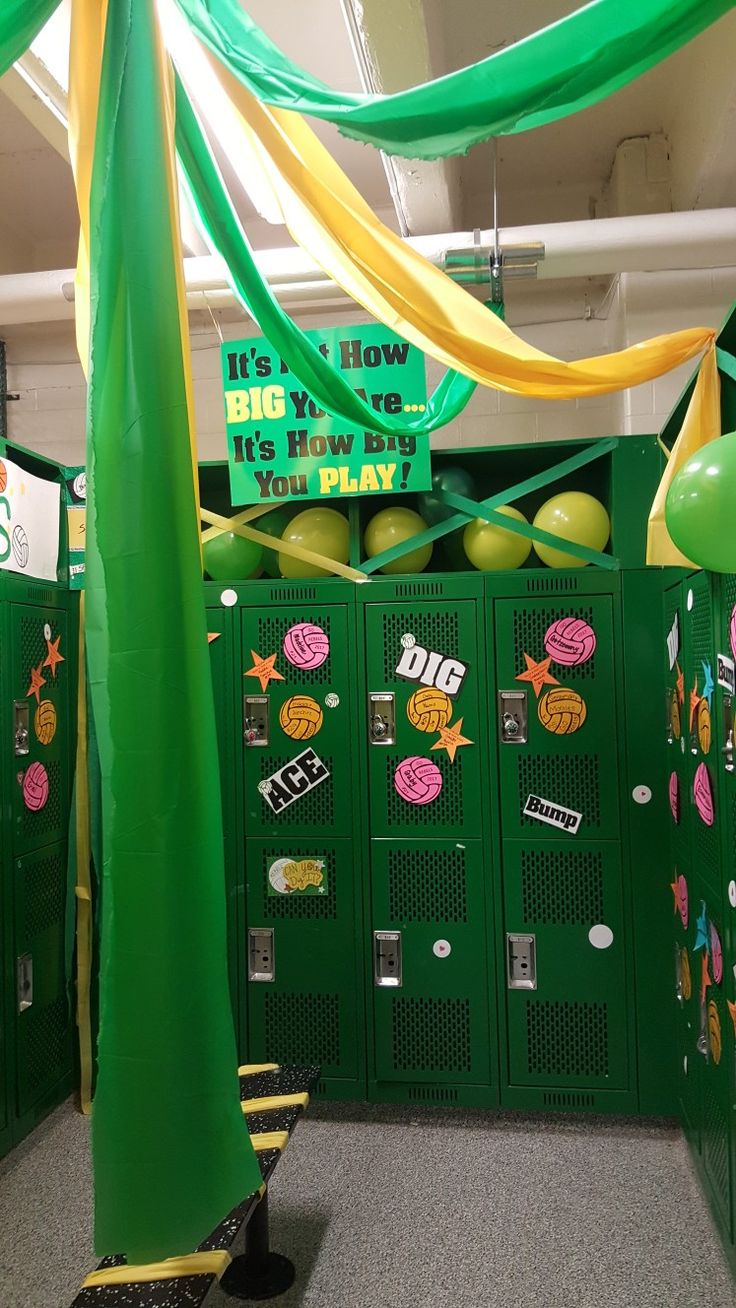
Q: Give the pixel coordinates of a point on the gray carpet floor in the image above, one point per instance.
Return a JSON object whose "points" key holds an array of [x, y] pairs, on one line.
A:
{"points": [[393, 1208]]}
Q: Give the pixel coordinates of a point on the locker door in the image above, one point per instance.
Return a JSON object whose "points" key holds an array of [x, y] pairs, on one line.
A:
{"points": [[43, 1017], [714, 1028], [568, 1006], [303, 879], [685, 963], [220, 644], [725, 762], [40, 793], [428, 877]]}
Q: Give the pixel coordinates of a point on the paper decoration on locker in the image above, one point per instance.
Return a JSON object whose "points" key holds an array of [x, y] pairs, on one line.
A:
{"points": [[570, 641], [306, 646]]}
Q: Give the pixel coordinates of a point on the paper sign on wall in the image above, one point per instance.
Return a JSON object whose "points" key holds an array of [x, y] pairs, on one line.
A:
{"points": [[75, 499], [29, 523], [294, 779], [543, 810]]}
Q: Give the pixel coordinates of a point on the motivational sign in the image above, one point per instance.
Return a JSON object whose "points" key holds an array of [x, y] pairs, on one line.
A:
{"points": [[75, 501], [543, 810], [29, 522], [282, 446], [293, 780], [431, 668]]}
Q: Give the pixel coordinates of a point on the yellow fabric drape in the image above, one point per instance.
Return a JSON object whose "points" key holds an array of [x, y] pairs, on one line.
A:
{"points": [[329, 219], [701, 424]]}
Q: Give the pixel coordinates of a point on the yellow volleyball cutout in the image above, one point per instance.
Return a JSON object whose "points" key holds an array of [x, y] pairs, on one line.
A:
{"points": [[300, 717], [429, 709], [44, 722], [714, 1031], [687, 981], [704, 725], [675, 717], [562, 711]]}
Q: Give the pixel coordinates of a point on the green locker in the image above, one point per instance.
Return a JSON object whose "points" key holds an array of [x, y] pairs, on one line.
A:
{"points": [[34, 827], [566, 969], [431, 898], [221, 641], [726, 756], [302, 935]]}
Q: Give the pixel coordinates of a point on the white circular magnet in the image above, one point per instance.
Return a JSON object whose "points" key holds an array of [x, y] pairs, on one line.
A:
{"points": [[682, 744], [641, 794], [228, 598], [732, 893], [441, 948], [47, 631], [690, 600], [684, 1064], [600, 936], [408, 641]]}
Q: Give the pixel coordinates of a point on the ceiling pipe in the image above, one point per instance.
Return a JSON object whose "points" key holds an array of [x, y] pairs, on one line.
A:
{"points": [[704, 238]]}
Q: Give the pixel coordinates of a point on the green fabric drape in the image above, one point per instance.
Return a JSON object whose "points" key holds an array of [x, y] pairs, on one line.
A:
{"points": [[20, 23], [325, 383], [171, 1151], [556, 71]]}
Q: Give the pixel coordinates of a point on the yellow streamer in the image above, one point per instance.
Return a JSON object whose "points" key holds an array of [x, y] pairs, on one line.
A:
{"points": [[328, 218], [213, 1263], [270, 1102], [701, 424], [83, 889], [269, 1140], [239, 520], [284, 546]]}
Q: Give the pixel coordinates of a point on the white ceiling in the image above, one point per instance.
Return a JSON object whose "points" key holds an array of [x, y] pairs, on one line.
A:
{"points": [[555, 173]]}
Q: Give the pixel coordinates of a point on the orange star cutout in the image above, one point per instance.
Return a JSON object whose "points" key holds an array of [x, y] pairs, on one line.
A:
{"points": [[263, 669], [53, 656], [680, 683], [213, 635], [694, 701], [732, 1011], [37, 681], [705, 980], [537, 674], [451, 738]]}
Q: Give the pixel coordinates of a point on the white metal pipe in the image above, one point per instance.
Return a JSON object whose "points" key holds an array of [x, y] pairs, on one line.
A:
{"points": [[704, 238]]}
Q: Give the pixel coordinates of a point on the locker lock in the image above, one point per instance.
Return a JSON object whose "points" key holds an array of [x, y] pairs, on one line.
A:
{"points": [[728, 748], [381, 718], [255, 719], [512, 716], [21, 735]]}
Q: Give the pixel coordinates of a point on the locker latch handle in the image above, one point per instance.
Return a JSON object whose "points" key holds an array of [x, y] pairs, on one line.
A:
{"points": [[261, 954], [21, 733], [728, 748], [24, 981], [521, 961], [387, 958], [512, 717]]}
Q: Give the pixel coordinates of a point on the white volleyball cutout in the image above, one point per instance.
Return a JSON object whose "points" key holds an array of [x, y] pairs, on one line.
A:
{"points": [[600, 936]]}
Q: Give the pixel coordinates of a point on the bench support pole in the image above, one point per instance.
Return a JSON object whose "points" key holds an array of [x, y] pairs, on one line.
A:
{"points": [[258, 1273]]}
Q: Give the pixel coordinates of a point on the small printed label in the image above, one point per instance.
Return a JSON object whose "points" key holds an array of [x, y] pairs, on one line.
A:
{"points": [[725, 673], [543, 810]]}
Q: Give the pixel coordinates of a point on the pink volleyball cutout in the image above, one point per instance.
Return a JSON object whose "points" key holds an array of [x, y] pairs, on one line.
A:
{"points": [[674, 794], [716, 955], [35, 787], [703, 795], [418, 780], [732, 631], [570, 641], [682, 900], [306, 645]]}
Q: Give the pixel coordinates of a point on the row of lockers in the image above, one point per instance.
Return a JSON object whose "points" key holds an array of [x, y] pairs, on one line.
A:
{"points": [[449, 904]]}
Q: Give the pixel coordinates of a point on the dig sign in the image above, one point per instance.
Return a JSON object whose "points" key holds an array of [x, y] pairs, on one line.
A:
{"points": [[282, 446]]}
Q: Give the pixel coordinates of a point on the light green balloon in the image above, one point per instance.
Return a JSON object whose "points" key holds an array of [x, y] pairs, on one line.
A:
{"points": [[491, 548], [391, 527], [700, 509], [325, 531], [578, 517]]}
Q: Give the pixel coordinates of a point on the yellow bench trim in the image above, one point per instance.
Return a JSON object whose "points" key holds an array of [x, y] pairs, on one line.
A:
{"points": [[213, 1263], [250, 1069], [270, 1102], [269, 1140]]}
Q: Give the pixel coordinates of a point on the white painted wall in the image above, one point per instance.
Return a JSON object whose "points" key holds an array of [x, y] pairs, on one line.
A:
{"points": [[49, 417]]}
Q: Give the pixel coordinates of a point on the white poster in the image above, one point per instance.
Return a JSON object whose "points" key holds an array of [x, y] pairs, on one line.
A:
{"points": [[29, 523]]}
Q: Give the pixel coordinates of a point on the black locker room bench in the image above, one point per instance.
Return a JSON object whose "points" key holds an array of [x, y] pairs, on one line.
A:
{"points": [[273, 1099]]}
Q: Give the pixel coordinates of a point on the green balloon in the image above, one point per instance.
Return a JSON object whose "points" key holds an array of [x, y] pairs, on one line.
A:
{"points": [[391, 527], [274, 524], [228, 557], [455, 480], [699, 509], [325, 531]]}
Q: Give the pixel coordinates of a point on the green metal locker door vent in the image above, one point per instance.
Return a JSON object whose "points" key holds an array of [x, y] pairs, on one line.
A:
{"points": [[567, 1040], [43, 1019]]}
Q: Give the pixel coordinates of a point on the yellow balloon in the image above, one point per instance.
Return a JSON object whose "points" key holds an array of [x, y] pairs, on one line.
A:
{"points": [[491, 548], [325, 531], [577, 517], [392, 526]]}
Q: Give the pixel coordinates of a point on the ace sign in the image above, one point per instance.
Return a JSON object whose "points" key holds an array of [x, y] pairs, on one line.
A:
{"points": [[282, 446]]}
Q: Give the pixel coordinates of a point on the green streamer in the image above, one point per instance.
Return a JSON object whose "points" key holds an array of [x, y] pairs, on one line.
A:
{"points": [[325, 384], [20, 23], [171, 1152], [555, 72]]}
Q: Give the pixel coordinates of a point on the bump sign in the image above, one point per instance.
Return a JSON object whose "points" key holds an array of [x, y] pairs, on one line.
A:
{"points": [[295, 779], [431, 668]]}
